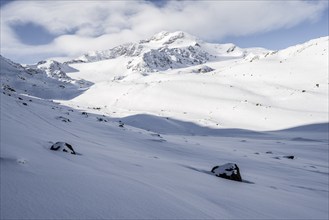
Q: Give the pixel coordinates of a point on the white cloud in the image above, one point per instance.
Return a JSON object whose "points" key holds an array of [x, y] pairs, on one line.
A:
{"points": [[91, 25]]}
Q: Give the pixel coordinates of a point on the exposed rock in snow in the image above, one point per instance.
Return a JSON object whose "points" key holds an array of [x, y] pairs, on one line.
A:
{"points": [[63, 119], [42, 79], [165, 51], [55, 69], [228, 171], [128, 49], [203, 69], [62, 146], [8, 88], [156, 37], [172, 39], [231, 49], [257, 54], [169, 58], [165, 37]]}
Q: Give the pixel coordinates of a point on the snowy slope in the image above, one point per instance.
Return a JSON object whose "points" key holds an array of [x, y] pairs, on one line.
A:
{"points": [[146, 140], [132, 173], [41, 80], [267, 91]]}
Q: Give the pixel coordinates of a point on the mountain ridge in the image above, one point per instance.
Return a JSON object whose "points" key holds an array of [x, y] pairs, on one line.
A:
{"points": [[166, 50]]}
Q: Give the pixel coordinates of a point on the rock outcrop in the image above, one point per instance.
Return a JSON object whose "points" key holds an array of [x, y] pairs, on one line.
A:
{"points": [[228, 171], [62, 146]]}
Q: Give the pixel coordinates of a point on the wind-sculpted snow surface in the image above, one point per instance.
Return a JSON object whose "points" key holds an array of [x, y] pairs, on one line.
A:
{"points": [[123, 172]]}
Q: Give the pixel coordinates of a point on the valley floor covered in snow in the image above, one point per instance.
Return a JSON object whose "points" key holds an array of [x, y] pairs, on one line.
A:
{"points": [[127, 172]]}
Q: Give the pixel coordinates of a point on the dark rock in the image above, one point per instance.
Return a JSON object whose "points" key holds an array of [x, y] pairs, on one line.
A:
{"points": [[121, 124], [85, 114], [63, 119], [228, 171], [289, 157], [269, 152], [157, 135], [231, 49], [41, 62], [62, 146], [24, 103], [8, 88], [101, 119], [203, 69]]}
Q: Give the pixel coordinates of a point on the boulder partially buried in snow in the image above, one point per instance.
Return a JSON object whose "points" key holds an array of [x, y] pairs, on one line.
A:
{"points": [[228, 171], [62, 146]]}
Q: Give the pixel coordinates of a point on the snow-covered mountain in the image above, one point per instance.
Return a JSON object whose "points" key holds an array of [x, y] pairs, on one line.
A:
{"points": [[221, 86], [46, 79], [177, 75], [167, 50], [148, 121]]}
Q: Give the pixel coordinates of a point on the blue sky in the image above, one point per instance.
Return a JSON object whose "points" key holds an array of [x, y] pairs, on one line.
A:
{"points": [[285, 37], [41, 34]]}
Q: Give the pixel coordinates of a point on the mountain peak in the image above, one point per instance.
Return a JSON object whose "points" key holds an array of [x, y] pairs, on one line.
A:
{"points": [[162, 51], [167, 50], [166, 38]]}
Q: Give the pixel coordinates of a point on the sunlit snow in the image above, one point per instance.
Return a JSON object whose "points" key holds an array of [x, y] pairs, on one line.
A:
{"points": [[146, 137]]}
